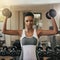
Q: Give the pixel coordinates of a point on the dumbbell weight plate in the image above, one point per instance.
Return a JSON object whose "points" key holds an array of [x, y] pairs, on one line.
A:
{"points": [[47, 15], [10, 14], [6, 12], [52, 12]]}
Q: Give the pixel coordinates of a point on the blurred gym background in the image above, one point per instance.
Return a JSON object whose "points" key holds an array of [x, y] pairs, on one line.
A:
{"points": [[16, 21]]}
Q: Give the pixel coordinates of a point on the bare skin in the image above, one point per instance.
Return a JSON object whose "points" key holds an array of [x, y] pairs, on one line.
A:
{"points": [[29, 28]]}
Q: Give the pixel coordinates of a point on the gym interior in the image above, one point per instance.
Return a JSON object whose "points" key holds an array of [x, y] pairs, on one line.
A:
{"points": [[16, 21]]}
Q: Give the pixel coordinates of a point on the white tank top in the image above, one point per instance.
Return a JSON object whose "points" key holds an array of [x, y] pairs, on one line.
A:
{"points": [[29, 51]]}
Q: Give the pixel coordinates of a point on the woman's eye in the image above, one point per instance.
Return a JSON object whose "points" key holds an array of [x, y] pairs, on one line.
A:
{"points": [[29, 21], [26, 20]]}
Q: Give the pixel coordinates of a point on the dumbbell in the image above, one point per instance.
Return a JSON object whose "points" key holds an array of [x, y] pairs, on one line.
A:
{"points": [[2, 52], [6, 12], [13, 51], [51, 13], [2, 42], [49, 51], [57, 51], [39, 51], [5, 50], [17, 44]]}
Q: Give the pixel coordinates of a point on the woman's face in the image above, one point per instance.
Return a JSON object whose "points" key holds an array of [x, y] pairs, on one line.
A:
{"points": [[29, 21]]}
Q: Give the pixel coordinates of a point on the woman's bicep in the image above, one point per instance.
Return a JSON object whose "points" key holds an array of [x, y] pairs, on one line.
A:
{"points": [[46, 32], [13, 32]]}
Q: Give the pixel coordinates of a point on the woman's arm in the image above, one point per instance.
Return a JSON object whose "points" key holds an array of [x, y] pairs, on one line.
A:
{"points": [[10, 32], [49, 32]]}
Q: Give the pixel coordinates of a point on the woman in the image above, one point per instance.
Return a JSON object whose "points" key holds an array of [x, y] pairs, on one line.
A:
{"points": [[29, 36]]}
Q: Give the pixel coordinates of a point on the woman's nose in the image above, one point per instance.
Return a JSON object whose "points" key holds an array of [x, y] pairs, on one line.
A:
{"points": [[29, 22]]}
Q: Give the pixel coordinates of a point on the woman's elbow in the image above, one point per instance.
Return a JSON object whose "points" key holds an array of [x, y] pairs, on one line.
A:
{"points": [[55, 32], [3, 31]]}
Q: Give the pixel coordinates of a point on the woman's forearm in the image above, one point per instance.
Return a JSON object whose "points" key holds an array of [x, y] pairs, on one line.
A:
{"points": [[4, 26], [55, 28]]}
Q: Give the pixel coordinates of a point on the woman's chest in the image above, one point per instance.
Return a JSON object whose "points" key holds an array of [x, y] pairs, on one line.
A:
{"points": [[29, 41]]}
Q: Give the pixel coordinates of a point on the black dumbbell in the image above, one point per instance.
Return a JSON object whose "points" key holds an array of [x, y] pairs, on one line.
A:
{"points": [[49, 51], [5, 50], [2, 53], [51, 13], [6, 12], [2, 42], [13, 51], [17, 44], [57, 51], [47, 15], [40, 51]]}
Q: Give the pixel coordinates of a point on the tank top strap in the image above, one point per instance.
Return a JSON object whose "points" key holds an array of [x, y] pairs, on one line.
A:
{"points": [[23, 33], [22, 36]]}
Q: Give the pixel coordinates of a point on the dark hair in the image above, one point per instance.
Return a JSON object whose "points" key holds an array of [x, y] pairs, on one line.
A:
{"points": [[29, 14]]}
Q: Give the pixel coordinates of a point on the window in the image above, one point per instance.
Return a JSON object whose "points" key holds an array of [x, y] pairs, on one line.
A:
{"points": [[37, 20]]}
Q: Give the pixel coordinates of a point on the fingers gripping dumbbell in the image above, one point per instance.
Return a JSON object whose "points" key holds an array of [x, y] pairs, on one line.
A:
{"points": [[6, 12]]}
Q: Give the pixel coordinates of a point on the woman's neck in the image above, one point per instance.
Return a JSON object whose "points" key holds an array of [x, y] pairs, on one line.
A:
{"points": [[28, 29]]}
